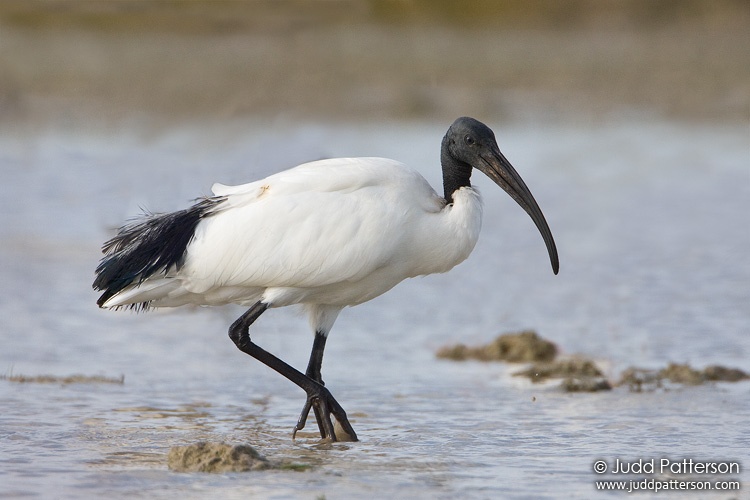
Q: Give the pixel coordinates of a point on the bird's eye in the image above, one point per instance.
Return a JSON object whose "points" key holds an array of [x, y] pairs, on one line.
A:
{"points": [[469, 140]]}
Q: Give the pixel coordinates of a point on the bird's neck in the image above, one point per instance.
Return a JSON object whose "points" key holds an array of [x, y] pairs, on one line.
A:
{"points": [[456, 175]]}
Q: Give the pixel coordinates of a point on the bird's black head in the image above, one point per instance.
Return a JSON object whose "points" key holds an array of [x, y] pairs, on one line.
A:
{"points": [[465, 140], [470, 144], [466, 137]]}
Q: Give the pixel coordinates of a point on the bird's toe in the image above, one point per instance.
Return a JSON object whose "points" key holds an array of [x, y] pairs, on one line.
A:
{"points": [[324, 406]]}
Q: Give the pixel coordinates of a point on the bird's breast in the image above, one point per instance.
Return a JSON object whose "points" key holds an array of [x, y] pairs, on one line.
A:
{"points": [[445, 239]]}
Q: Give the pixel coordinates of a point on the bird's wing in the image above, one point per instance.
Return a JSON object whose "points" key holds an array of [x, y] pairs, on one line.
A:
{"points": [[320, 223]]}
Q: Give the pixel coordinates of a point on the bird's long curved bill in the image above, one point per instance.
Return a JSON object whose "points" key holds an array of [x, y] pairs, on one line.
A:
{"points": [[499, 169]]}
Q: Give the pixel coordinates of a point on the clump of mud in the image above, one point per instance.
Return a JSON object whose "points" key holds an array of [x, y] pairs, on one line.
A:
{"points": [[522, 347], [579, 374], [717, 373], [70, 379], [640, 379], [215, 457], [569, 367], [221, 458], [585, 384]]}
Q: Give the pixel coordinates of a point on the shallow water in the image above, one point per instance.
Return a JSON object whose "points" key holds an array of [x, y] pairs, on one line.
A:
{"points": [[650, 221]]}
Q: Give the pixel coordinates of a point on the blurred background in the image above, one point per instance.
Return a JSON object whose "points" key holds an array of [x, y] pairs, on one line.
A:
{"points": [[91, 63], [628, 119]]}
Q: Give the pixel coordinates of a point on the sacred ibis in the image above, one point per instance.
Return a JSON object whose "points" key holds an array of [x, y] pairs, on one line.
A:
{"points": [[326, 234]]}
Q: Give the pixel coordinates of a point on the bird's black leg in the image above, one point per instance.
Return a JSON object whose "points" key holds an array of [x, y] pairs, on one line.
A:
{"points": [[318, 396], [313, 371]]}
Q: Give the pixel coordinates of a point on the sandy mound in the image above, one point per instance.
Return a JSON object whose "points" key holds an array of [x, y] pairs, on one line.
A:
{"points": [[523, 347], [215, 457]]}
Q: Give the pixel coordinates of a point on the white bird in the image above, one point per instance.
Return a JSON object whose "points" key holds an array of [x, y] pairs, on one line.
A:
{"points": [[326, 234]]}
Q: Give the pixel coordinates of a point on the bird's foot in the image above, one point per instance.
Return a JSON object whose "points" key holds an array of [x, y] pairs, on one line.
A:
{"points": [[324, 405]]}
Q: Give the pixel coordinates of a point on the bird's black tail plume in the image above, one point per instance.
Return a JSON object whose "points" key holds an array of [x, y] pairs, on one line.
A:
{"points": [[150, 245]]}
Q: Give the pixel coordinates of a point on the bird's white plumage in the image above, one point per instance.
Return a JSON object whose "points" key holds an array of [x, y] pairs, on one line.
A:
{"points": [[329, 233]]}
